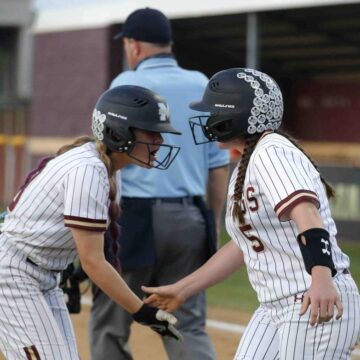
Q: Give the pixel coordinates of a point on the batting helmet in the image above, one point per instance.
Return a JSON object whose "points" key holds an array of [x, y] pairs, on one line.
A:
{"points": [[241, 102], [124, 108]]}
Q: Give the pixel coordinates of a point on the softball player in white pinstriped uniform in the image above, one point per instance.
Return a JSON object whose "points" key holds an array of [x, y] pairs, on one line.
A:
{"points": [[61, 211], [279, 218]]}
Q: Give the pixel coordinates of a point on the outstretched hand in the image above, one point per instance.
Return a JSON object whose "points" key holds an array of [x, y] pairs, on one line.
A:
{"points": [[158, 320], [167, 298]]}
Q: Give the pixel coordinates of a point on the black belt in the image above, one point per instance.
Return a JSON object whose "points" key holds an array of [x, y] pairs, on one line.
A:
{"points": [[188, 200], [35, 264], [346, 272], [31, 262], [175, 200]]}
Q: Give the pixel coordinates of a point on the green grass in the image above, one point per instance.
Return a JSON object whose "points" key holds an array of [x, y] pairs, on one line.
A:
{"points": [[352, 249], [236, 292]]}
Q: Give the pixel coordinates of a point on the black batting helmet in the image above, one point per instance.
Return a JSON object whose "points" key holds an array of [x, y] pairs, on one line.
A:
{"points": [[124, 108], [241, 102]]}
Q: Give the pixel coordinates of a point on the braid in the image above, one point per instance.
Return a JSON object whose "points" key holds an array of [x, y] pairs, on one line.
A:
{"points": [[330, 192], [239, 184], [114, 207]]}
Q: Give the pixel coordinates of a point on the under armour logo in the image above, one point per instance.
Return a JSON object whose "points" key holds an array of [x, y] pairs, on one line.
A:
{"points": [[326, 250], [164, 111]]}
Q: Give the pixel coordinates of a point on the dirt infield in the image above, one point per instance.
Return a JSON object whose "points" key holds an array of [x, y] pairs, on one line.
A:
{"points": [[146, 345]]}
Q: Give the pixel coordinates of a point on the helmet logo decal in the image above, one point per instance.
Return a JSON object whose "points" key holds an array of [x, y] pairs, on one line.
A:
{"points": [[266, 114], [225, 106], [164, 111], [117, 115], [97, 125]]}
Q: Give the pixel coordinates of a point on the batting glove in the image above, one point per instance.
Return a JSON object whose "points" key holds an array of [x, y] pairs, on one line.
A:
{"points": [[160, 321]]}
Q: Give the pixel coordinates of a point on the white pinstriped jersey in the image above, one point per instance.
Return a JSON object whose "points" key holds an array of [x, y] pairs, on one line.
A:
{"points": [[278, 177], [72, 191]]}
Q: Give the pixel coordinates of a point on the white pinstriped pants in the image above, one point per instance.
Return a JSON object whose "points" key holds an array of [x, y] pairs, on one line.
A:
{"points": [[277, 332], [34, 321]]}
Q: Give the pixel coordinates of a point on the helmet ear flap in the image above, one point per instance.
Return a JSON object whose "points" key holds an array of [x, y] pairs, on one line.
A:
{"points": [[226, 126], [120, 142], [115, 138]]}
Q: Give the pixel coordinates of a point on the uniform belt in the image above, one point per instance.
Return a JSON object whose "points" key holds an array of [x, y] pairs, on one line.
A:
{"points": [[35, 264], [31, 262], [346, 272]]}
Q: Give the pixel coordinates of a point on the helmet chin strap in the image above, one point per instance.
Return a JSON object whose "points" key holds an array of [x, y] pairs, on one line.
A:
{"points": [[161, 164]]}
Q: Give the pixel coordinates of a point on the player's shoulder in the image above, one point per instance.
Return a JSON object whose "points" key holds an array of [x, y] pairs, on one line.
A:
{"points": [[84, 156], [274, 145], [274, 140]]}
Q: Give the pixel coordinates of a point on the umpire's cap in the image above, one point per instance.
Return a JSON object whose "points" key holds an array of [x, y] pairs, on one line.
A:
{"points": [[148, 25]]}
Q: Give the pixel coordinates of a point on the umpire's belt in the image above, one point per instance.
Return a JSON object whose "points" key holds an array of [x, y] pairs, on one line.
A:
{"points": [[186, 200]]}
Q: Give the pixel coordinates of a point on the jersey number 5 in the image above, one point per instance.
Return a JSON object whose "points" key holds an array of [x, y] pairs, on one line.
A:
{"points": [[257, 245]]}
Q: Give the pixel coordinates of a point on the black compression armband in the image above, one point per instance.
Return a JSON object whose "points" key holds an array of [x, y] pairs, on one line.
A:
{"points": [[316, 250]]}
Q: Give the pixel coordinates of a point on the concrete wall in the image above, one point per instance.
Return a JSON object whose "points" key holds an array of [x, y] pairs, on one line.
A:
{"points": [[15, 12], [19, 14]]}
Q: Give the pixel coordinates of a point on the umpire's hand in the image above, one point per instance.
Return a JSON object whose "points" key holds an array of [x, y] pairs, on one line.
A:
{"points": [[160, 321]]}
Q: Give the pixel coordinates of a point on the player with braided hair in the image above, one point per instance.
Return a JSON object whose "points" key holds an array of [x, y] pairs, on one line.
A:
{"points": [[62, 211], [279, 219]]}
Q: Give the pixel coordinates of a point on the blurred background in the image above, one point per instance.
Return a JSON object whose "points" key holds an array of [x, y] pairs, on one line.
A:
{"points": [[57, 56]]}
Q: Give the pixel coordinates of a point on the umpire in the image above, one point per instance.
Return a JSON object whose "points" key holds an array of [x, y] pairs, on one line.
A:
{"points": [[167, 229]]}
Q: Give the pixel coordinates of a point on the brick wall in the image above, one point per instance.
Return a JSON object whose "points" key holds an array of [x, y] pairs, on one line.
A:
{"points": [[70, 72]]}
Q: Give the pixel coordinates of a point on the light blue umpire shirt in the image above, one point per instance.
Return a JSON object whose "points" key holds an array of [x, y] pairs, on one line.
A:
{"points": [[188, 174]]}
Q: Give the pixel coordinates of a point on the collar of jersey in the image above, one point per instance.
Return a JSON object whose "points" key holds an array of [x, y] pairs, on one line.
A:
{"points": [[165, 60]]}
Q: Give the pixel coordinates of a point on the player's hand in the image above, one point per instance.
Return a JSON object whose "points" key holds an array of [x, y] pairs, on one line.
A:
{"points": [[168, 298], [158, 320], [322, 297]]}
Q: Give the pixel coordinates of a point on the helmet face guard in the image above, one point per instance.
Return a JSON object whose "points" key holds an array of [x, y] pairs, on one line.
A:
{"points": [[164, 156]]}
